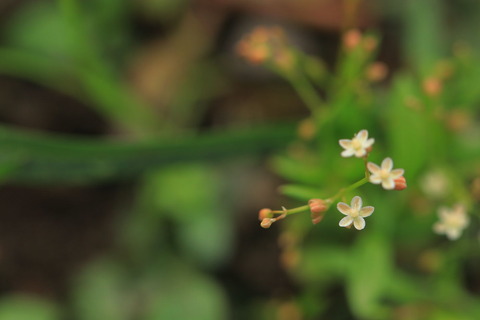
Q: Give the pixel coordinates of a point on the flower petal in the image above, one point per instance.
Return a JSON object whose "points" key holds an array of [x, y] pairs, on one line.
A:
{"points": [[347, 153], [346, 221], [360, 153], [375, 179], [356, 203], [345, 143], [344, 208], [453, 233], [359, 223], [369, 142], [397, 173], [362, 135], [373, 168], [366, 211], [387, 164], [439, 228], [388, 184]]}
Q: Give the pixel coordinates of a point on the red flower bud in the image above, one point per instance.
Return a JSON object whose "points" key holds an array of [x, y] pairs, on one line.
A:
{"points": [[317, 209], [400, 183]]}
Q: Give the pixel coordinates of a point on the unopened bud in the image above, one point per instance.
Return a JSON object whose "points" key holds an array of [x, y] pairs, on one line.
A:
{"points": [[377, 71], [370, 43], [432, 86], [306, 129], [317, 205], [265, 213], [317, 209], [352, 38], [400, 183], [267, 222], [316, 217]]}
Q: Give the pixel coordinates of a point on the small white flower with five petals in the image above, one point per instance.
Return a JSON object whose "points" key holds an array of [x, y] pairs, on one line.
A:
{"points": [[384, 174], [452, 221], [354, 213], [358, 146]]}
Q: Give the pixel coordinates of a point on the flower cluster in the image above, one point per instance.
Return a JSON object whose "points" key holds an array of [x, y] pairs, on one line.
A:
{"points": [[266, 44], [452, 221], [359, 146], [391, 179]]}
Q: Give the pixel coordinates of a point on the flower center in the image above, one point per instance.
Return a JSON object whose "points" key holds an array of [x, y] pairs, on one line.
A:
{"points": [[384, 174], [354, 213], [356, 144]]}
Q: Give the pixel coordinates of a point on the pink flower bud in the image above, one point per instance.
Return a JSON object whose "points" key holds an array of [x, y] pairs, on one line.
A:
{"points": [[351, 39], [400, 183], [265, 213], [317, 209]]}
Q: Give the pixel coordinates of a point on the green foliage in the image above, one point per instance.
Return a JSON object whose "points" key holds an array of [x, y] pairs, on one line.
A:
{"points": [[24, 308], [179, 228]]}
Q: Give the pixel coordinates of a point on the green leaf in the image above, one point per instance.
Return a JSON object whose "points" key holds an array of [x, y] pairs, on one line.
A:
{"points": [[408, 131], [100, 293], [60, 159], [191, 195], [299, 192], [298, 170], [368, 273], [178, 293], [18, 307]]}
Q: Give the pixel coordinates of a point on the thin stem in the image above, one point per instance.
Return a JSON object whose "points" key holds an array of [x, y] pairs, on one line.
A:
{"points": [[292, 211], [351, 187], [306, 91]]}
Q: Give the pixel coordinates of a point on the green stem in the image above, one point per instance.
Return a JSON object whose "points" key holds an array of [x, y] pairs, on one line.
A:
{"points": [[293, 211], [351, 187], [306, 91]]}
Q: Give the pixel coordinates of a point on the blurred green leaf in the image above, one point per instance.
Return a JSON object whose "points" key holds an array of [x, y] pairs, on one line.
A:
{"points": [[408, 131], [191, 195], [38, 27], [18, 307], [369, 271], [299, 192], [48, 158], [100, 293], [322, 263], [424, 36], [178, 293], [298, 170]]}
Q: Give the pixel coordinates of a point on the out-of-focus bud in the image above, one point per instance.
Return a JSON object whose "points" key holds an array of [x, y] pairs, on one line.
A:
{"points": [[317, 209], [370, 43], [444, 69], [377, 71], [265, 213], [267, 222], [306, 130], [352, 38], [413, 103], [432, 86], [458, 120], [266, 44], [400, 183]]}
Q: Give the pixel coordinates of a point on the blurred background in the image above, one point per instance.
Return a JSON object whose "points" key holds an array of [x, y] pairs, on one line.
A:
{"points": [[137, 146]]}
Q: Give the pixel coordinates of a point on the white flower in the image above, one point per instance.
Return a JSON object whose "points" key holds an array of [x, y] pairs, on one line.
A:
{"points": [[357, 146], [354, 213], [452, 221], [435, 184], [384, 174]]}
